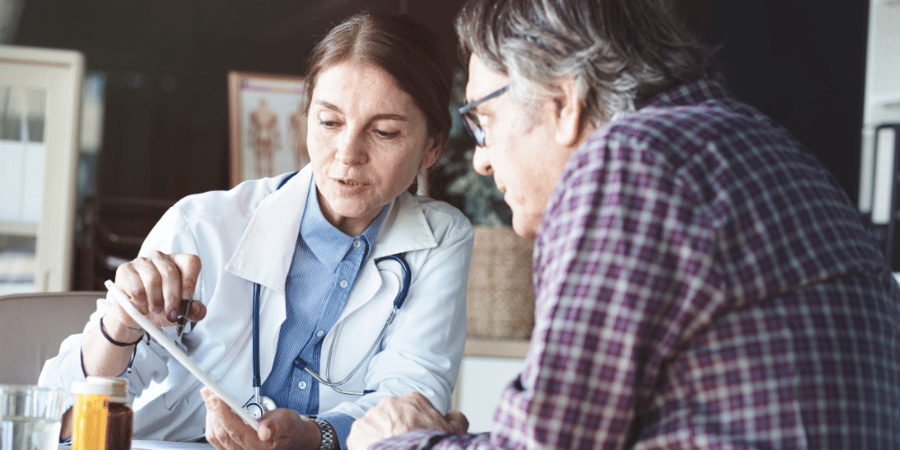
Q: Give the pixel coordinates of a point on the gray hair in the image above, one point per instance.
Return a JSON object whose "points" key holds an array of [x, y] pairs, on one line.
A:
{"points": [[619, 52]]}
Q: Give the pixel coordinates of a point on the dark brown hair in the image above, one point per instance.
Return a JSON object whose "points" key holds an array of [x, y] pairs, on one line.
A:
{"points": [[402, 47]]}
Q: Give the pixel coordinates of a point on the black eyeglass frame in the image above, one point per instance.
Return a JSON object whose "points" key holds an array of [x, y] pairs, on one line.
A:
{"points": [[471, 122]]}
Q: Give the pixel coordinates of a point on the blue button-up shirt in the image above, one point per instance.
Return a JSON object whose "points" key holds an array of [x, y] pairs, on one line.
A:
{"points": [[324, 268]]}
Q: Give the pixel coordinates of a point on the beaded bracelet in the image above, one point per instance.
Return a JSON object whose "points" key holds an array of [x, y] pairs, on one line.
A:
{"points": [[115, 342]]}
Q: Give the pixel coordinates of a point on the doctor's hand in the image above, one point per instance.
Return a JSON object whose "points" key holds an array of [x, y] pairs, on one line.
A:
{"points": [[393, 416], [278, 429], [156, 285]]}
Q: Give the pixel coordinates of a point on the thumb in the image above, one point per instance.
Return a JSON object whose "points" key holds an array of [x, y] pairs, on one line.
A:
{"points": [[266, 431]]}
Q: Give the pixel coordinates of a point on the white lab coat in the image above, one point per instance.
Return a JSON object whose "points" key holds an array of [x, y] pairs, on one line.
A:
{"points": [[247, 235]]}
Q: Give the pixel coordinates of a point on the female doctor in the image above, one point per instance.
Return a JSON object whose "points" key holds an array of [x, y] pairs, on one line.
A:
{"points": [[378, 115]]}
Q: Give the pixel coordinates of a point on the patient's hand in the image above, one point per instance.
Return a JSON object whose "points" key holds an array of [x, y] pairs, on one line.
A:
{"points": [[397, 415]]}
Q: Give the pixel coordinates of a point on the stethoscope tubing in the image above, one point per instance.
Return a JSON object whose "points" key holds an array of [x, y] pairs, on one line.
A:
{"points": [[398, 303]]}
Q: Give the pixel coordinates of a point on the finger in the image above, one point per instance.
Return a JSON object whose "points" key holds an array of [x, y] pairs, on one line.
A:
{"points": [[152, 281], [170, 286], [197, 312], [266, 431], [230, 430], [270, 428], [458, 421], [130, 279], [205, 392], [218, 431], [214, 434], [189, 268]]}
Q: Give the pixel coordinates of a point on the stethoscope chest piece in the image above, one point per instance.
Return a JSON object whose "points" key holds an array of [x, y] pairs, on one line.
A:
{"points": [[256, 407]]}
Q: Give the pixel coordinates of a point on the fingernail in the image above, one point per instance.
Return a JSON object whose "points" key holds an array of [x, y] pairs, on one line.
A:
{"points": [[172, 316]]}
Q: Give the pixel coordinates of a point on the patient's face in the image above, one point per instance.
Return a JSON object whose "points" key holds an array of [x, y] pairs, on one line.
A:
{"points": [[367, 141], [525, 160]]}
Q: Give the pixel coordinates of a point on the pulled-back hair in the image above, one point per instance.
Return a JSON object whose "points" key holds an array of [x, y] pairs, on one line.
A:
{"points": [[619, 52], [411, 53]]}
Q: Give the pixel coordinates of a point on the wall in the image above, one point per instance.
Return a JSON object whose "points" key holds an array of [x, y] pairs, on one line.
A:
{"points": [[165, 133], [166, 124]]}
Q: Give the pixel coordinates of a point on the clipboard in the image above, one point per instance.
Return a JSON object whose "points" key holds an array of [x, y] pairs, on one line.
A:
{"points": [[178, 354]]}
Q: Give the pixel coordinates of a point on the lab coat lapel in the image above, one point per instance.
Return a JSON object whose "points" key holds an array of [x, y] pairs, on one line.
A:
{"points": [[264, 252], [404, 230]]}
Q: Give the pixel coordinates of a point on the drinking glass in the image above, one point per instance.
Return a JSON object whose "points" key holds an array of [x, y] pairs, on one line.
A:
{"points": [[29, 417]]}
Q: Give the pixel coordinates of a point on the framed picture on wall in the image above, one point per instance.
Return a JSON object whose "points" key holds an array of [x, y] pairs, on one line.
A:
{"points": [[267, 121]]}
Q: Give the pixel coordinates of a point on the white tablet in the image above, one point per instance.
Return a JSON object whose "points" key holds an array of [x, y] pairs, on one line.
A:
{"points": [[176, 352]]}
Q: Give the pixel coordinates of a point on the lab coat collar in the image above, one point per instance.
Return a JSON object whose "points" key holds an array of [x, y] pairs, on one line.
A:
{"points": [[405, 228], [263, 254]]}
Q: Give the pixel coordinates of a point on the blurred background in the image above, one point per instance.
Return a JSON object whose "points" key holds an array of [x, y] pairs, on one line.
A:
{"points": [[155, 122]]}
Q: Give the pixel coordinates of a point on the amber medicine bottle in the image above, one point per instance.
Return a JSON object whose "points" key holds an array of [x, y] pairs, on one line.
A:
{"points": [[102, 417]]}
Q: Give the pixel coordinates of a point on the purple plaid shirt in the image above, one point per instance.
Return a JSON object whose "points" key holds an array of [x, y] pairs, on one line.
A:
{"points": [[702, 282]]}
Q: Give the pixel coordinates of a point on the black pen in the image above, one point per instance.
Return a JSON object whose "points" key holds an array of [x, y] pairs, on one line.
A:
{"points": [[183, 313]]}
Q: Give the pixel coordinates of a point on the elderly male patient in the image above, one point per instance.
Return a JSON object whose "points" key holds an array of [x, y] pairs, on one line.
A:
{"points": [[702, 281]]}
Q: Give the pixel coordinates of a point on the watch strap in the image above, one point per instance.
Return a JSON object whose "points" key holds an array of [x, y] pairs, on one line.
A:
{"points": [[328, 439]]}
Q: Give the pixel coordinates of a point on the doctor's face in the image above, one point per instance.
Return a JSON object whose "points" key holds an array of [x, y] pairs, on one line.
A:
{"points": [[367, 141]]}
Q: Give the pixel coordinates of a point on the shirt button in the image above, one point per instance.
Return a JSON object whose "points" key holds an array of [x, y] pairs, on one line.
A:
{"points": [[343, 283], [320, 333], [356, 244], [302, 385]]}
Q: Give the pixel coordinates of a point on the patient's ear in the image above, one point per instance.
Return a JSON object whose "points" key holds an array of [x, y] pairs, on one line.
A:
{"points": [[568, 114]]}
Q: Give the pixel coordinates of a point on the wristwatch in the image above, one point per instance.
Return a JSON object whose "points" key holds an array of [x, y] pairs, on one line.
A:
{"points": [[327, 433]]}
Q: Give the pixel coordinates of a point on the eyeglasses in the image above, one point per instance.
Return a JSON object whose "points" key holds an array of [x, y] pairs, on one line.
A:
{"points": [[471, 120]]}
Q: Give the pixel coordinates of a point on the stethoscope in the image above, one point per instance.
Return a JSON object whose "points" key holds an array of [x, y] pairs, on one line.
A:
{"points": [[260, 404]]}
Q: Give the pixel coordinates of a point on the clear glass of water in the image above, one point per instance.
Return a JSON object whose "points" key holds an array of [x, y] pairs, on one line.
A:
{"points": [[29, 417]]}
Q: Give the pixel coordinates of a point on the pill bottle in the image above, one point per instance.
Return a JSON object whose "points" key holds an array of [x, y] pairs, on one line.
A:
{"points": [[102, 418]]}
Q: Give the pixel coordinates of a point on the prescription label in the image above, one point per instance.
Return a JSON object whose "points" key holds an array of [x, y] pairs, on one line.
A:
{"points": [[90, 422]]}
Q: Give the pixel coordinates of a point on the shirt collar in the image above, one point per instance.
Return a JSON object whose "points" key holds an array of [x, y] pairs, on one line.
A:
{"points": [[690, 93], [327, 243]]}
